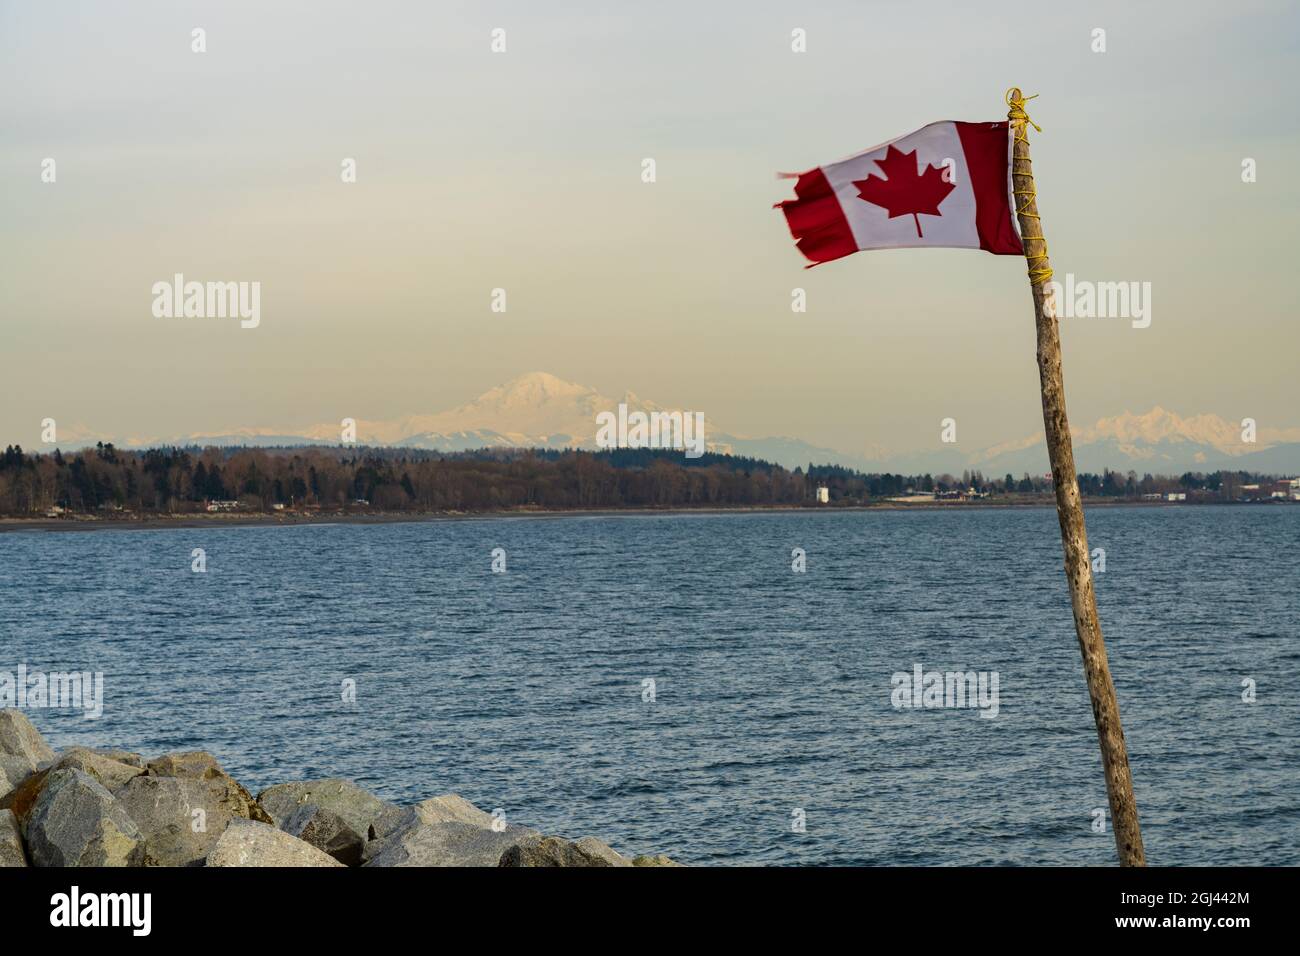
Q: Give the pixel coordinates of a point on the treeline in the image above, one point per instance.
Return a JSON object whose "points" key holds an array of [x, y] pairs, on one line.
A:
{"points": [[178, 480], [184, 480], [1218, 485]]}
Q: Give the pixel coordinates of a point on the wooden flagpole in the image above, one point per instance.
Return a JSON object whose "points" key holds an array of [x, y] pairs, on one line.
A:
{"points": [[1069, 507]]}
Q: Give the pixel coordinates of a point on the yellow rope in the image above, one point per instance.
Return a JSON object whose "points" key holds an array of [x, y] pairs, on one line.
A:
{"points": [[1019, 122]]}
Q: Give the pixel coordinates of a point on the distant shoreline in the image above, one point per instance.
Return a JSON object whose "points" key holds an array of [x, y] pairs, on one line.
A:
{"points": [[153, 522]]}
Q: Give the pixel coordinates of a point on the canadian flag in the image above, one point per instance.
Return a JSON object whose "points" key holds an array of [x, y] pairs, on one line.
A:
{"points": [[947, 184]]}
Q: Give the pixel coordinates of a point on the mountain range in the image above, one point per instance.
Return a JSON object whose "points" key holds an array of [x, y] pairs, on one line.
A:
{"points": [[1157, 442], [539, 410]]}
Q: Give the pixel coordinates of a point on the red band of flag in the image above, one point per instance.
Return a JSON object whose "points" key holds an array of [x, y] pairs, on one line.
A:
{"points": [[946, 185]]}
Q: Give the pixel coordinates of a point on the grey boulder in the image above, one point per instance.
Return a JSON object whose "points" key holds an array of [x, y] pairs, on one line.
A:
{"points": [[326, 831], [18, 738], [602, 850], [129, 757], [448, 808], [23, 750], [386, 824], [179, 818], [11, 841], [22, 798], [249, 843], [549, 851], [108, 770], [77, 822], [449, 844], [442, 831], [195, 764], [356, 807], [225, 789], [7, 782], [110, 773]]}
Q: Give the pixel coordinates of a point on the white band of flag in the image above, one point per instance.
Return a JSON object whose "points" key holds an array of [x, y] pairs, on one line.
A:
{"points": [[948, 184]]}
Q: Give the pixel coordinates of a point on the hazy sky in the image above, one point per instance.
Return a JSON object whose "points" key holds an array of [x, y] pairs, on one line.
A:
{"points": [[522, 170]]}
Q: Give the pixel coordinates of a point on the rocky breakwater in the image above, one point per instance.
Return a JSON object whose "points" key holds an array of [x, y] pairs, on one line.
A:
{"points": [[103, 807]]}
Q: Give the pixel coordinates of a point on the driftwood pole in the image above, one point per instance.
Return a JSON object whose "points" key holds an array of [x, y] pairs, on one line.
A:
{"points": [[1069, 507]]}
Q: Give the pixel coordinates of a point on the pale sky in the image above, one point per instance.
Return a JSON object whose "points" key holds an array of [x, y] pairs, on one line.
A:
{"points": [[521, 170]]}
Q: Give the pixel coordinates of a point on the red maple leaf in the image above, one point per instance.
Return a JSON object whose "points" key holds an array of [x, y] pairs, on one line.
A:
{"points": [[906, 191]]}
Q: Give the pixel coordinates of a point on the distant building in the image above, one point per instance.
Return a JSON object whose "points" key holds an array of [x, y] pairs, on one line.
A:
{"points": [[223, 505], [1176, 496], [1253, 492], [823, 495]]}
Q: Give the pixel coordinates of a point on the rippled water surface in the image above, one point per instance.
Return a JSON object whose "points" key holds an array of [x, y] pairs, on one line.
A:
{"points": [[524, 690]]}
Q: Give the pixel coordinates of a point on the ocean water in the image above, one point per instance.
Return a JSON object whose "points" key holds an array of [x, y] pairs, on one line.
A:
{"points": [[525, 691]]}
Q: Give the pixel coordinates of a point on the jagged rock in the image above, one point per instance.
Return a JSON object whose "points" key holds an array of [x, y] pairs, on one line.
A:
{"points": [[11, 841], [326, 831], [249, 843], [357, 808], [449, 844], [448, 808], [112, 773], [601, 849], [200, 765], [128, 757], [197, 764], [163, 808], [77, 822], [549, 851], [386, 824], [22, 798], [19, 738], [23, 750], [6, 784], [13, 770], [164, 799], [91, 806]]}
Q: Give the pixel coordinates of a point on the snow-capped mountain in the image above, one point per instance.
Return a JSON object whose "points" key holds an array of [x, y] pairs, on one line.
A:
{"points": [[532, 410], [1158, 441], [1162, 442], [540, 410]]}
